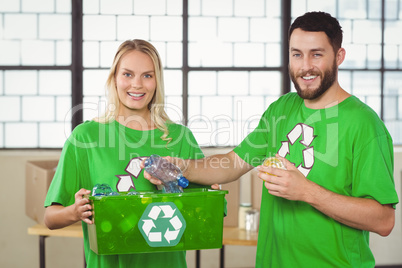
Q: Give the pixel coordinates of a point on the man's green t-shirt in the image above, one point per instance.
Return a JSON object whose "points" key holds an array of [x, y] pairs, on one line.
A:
{"points": [[344, 148], [111, 153]]}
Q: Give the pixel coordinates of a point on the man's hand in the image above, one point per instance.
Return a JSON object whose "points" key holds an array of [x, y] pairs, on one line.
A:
{"points": [[290, 183]]}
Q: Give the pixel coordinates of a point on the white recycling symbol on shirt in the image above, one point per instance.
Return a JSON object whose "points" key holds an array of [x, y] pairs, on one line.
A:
{"points": [[307, 133], [162, 224]]}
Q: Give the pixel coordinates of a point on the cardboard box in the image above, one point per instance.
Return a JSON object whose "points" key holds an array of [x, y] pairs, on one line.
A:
{"points": [[157, 222], [257, 186], [233, 203], [38, 175]]}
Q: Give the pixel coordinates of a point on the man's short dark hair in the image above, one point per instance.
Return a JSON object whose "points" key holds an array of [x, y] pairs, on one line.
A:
{"points": [[318, 21]]}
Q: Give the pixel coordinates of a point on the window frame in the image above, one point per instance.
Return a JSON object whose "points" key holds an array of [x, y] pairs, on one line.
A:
{"points": [[77, 69]]}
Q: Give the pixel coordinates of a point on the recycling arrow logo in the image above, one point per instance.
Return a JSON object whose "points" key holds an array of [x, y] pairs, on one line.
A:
{"points": [[307, 134], [162, 224]]}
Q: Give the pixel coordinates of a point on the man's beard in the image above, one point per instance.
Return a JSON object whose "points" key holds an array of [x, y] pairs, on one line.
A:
{"points": [[327, 81]]}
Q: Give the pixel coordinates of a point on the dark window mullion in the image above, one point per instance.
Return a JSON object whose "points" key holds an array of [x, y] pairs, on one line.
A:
{"points": [[76, 63], [382, 70], [285, 21], [185, 67]]}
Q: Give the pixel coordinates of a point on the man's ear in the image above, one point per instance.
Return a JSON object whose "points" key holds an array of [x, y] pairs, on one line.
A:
{"points": [[340, 56]]}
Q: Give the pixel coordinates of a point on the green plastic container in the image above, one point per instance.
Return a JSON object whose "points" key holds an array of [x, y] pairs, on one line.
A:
{"points": [[156, 222]]}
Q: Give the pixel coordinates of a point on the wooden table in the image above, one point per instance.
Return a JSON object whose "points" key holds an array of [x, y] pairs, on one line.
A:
{"points": [[236, 237], [42, 231], [231, 236]]}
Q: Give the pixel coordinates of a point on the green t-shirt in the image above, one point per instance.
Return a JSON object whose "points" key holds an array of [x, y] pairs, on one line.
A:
{"points": [[344, 148], [111, 153]]}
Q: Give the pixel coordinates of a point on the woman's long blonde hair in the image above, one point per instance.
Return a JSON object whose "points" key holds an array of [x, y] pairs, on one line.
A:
{"points": [[157, 104]]}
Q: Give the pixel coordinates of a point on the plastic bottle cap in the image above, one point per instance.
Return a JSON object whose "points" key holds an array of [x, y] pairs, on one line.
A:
{"points": [[183, 182]]}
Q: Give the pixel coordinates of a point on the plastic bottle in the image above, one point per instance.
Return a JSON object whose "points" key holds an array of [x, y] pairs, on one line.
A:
{"points": [[170, 175], [273, 162], [102, 190]]}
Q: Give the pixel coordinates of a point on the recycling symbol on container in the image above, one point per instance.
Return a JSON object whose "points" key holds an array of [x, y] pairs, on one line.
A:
{"points": [[162, 224]]}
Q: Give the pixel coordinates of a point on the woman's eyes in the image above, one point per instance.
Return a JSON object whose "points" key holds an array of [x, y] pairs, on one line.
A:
{"points": [[130, 75]]}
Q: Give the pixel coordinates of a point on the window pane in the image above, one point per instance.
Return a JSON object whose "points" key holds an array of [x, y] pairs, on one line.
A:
{"points": [[53, 134], [374, 56], [216, 8], [202, 28], [20, 82], [14, 132], [173, 82], [113, 7], [265, 83], [38, 5], [233, 29], [50, 25], [2, 135], [10, 6], [31, 112], [174, 52], [159, 26], [14, 29], [395, 130], [392, 89], [235, 33], [107, 51], [212, 53], [393, 104], [355, 56], [10, 109], [360, 34], [248, 8], [345, 80], [248, 108], [91, 54], [92, 107], [150, 7], [174, 7], [233, 83], [133, 27], [1, 83], [223, 104], [94, 82], [266, 30], [202, 83], [352, 9], [249, 55], [34, 36], [392, 32], [194, 108], [391, 9], [228, 104], [393, 41], [174, 108], [38, 52], [10, 53], [55, 83], [63, 107], [375, 9], [366, 83], [97, 27]]}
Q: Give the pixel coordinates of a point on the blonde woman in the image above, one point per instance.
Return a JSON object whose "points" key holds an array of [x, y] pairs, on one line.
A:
{"points": [[134, 126]]}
